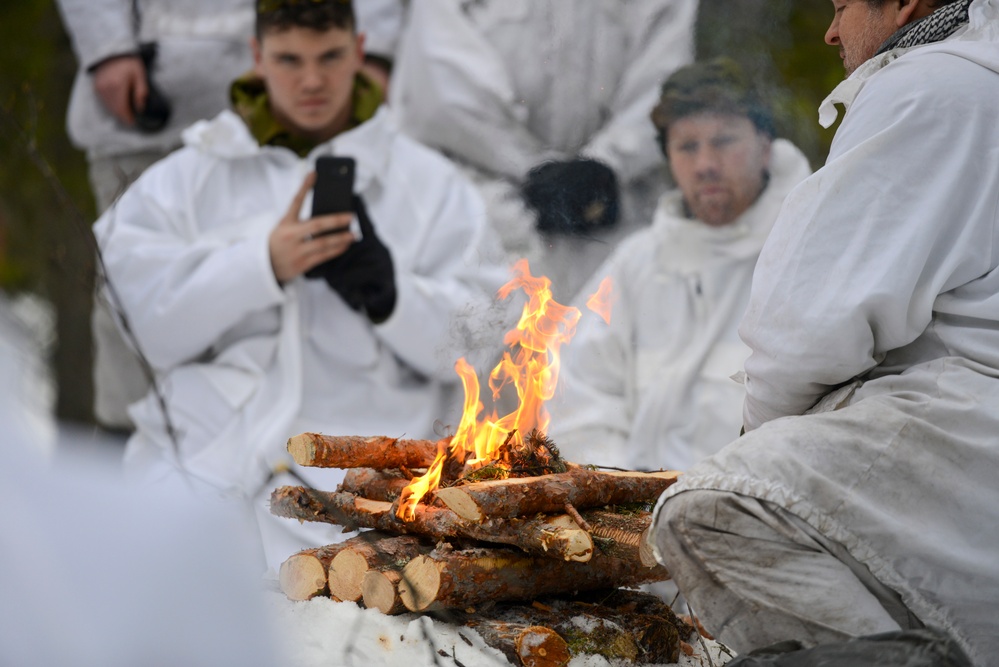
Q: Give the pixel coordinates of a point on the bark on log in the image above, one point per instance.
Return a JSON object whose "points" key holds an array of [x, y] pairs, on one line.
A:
{"points": [[461, 579], [524, 644], [370, 550], [374, 484], [555, 537], [328, 451], [581, 487], [622, 535], [303, 575]]}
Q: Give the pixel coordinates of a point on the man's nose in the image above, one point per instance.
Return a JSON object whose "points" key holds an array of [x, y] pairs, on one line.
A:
{"points": [[706, 161], [312, 77], [832, 34]]}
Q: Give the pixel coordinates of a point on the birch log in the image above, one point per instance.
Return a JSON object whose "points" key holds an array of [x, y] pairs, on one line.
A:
{"points": [[580, 487], [461, 579], [328, 451], [303, 575], [556, 537], [384, 485], [369, 550]]}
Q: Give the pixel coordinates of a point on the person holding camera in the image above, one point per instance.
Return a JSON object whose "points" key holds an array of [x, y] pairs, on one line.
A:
{"points": [[263, 322], [142, 80]]}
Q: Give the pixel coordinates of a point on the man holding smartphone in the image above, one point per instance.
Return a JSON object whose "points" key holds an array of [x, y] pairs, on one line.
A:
{"points": [[208, 253]]}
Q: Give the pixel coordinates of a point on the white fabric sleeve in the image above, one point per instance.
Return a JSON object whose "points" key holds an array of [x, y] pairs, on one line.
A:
{"points": [[451, 90], [381, 22], [180, 294], [662, 42], [863, 248], [99, 29], [457, 267]]}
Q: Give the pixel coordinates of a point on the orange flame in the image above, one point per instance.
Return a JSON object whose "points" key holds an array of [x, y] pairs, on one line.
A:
{"points": [[603, 299], [532, 371]]}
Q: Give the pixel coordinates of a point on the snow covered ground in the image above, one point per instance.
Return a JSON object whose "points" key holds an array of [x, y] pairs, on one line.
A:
{"points": [[323, 633]]}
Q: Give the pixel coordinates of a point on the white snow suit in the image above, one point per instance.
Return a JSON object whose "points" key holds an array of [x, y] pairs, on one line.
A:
{"points": [[880, 278], [245, 363], [654, 389], [503, 85]]}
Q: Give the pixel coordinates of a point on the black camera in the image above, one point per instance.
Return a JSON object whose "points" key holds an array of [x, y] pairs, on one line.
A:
{"points": [[154, 116]]}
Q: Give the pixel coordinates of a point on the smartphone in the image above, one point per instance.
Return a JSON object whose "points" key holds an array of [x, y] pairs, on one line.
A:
{"points": [[334, 188], [333, 192]]}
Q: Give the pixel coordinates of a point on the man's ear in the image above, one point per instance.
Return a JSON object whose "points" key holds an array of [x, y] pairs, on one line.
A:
{"points": [[258, 57], [360, 37], [912, 10]]}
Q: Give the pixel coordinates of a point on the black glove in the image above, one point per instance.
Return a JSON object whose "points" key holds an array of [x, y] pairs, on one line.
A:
{"points": [[154, 116], [364, 276], [572, 197]]}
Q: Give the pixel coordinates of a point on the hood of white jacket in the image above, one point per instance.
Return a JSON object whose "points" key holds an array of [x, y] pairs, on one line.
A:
{"points": [[686, 244], [226, 137], [983, 26]]}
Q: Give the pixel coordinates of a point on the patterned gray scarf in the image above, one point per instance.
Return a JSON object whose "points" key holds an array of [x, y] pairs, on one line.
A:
{"points": [[939, 25]]}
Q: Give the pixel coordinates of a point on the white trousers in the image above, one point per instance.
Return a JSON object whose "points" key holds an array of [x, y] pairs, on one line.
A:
{"points": [[756, 574]]}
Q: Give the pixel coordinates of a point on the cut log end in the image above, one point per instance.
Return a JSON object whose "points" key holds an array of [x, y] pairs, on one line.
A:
{"points": [[302, 448], [346, 575], [542, 647], [645, 552], [302, 577], [460, 503], [579, 546], [379, 590], [421, 581]]}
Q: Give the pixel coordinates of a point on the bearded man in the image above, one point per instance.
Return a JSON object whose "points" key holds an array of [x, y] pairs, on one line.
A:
{"points": [[652, 387], [857, 501]]}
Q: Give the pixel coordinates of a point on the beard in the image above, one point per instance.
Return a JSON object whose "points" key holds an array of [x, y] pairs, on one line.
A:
{"points": [[863, 47]]}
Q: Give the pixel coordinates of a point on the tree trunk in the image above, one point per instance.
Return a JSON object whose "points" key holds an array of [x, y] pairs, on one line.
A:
{"points": [[580, 487], [384, 485], [370, 550], [618, 625], [523, 644], [462, 579], [328, 451], [303, 575], [556, 537]]}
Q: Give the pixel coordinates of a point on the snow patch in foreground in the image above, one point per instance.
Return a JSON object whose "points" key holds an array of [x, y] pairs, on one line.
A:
{"points": [[324, 633]]}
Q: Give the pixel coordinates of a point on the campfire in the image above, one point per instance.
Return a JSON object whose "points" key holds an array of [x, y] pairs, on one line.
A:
{"points": [[491, 526]]}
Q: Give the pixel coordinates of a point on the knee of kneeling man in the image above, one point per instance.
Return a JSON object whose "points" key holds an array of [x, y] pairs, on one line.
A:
{"points": [[678, 522]]}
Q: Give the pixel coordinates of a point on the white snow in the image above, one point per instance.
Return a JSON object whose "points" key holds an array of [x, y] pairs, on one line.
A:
{"points": [[323, 633]]}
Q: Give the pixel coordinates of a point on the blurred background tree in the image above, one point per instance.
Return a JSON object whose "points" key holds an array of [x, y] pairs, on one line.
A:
{"points": [[45, 201], [781, 43], [46, 206]]}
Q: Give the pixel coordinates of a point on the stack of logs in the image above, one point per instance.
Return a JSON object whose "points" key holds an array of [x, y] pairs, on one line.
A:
{"points": [[537, 565]]}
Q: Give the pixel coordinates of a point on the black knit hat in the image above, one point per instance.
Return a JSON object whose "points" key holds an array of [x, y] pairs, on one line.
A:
{"points": [[712, 86]]}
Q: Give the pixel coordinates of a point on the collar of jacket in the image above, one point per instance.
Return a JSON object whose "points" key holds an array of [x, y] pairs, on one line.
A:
{"points": [[981, 26], [227, 137], [251, 102]]}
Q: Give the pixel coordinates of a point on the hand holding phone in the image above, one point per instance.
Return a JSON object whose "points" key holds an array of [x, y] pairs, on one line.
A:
{"points": [[333, 192]]}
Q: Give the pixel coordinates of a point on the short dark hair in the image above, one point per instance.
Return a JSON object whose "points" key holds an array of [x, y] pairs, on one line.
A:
{"points": [[713, 86], [934, 5], [319, 15]]}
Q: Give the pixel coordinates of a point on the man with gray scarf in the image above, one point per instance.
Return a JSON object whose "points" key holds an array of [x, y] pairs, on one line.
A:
{"points": [[855, 502]]}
